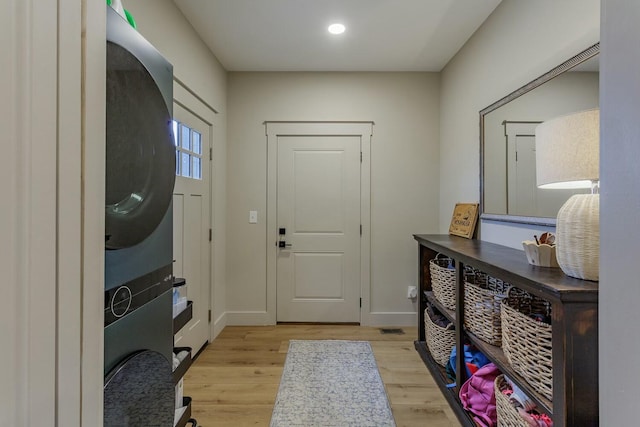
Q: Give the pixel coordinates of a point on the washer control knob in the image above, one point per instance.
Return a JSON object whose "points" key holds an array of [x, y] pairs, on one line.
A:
{"points": [[121, 301]]}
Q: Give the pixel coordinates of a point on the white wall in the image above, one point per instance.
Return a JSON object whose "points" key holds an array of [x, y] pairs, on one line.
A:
{"points": [[619, 203], [520, 41], [195, 67], [166, 28], [404, 174]]}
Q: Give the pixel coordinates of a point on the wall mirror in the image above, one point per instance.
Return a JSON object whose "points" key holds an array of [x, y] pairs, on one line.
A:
{"points": [[508, 190]]}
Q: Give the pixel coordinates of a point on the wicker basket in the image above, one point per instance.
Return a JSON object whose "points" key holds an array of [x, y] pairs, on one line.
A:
{"points": [[440, 341], [482, 297], [508, 415], [527, 342], [443, 281]]}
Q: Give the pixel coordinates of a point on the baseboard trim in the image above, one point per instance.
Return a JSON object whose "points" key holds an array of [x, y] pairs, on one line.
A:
{"points": [[390, 319], [261, 318], [218, 325]]}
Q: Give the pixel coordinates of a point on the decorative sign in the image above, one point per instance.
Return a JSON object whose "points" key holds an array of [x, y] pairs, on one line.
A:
{"points": [[463, 222]]}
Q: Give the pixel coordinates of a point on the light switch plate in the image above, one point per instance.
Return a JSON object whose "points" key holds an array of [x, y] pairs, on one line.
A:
{"points": [[253, 217]]}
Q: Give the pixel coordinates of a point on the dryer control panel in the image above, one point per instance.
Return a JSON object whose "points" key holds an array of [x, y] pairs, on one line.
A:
{"points": [[123, 300]]}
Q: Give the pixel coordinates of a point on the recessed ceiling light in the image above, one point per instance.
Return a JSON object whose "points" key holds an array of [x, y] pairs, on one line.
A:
{"points": [[336, 28]]}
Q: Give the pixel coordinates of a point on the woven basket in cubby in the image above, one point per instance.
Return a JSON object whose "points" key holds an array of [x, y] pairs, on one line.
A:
{"points": [[440, 341], [526, 342], [482, 297], [508, 415], [443, 281]]}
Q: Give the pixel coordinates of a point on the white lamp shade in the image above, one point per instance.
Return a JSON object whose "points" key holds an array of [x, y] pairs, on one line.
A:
{"points": [[567, 150]]}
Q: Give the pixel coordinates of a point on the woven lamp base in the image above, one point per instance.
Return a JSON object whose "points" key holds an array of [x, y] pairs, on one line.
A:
{"points": [[578, 237]]}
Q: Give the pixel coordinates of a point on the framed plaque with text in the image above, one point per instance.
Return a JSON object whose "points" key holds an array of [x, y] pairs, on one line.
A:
{"points": [[463, 221]]}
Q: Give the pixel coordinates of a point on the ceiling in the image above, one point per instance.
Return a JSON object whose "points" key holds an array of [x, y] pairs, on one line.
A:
{"points": [[291, 35]]}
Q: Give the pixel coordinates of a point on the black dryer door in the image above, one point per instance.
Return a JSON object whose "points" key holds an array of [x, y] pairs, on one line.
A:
{"points": [[139, 391], [140, 154]]}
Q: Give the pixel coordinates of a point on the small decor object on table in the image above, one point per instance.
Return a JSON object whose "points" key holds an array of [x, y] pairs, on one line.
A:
{"points": [[541, 251], [463, 221]]}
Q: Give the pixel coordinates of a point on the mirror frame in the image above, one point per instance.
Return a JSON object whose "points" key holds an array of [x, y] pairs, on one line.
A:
{"points": [[581, 57]]}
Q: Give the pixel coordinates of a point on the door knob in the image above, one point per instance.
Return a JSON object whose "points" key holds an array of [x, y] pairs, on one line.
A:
{"points": [[283, 245]]}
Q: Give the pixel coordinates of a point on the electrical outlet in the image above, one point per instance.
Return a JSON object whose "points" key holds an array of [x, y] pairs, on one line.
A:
{"points": [[412, 292], [253, 217]]}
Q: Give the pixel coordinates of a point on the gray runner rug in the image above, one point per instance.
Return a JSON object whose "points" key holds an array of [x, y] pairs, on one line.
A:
{"points": [[331, 384]]}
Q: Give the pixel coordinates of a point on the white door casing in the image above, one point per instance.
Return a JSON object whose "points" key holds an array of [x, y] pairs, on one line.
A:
{"points": [[318, 190], [191, 225]]}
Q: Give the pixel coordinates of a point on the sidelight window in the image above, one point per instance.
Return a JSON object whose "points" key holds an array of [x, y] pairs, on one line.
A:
{"points": [[188, 142]]}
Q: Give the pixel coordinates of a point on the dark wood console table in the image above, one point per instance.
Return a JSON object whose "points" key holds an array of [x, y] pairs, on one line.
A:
{"points": [[574, 324]]}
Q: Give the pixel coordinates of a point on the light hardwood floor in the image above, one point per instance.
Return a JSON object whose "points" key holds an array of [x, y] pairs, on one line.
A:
{"points": [[234, 381]]}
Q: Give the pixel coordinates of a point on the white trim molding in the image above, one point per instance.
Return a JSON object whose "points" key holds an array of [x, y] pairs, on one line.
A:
{"points": [[93, 186], [392, 319], [218, 325], [363, 129], [29, 216]]}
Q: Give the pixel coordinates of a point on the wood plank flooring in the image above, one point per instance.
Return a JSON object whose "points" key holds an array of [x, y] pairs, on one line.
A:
{"points": [[234, 381]]}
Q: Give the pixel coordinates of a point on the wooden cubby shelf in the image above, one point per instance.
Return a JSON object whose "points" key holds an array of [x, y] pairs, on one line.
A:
{"points": [[440, 376], [449, 314], [574, 322]]}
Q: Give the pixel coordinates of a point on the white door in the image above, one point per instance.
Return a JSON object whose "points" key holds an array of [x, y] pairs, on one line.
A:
{"points": [[521, 167], [318, 220], [526, 188], [192, 222]]}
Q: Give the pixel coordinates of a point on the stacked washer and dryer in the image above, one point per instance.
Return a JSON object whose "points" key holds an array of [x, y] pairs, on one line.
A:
{"points": [[140, 176]]}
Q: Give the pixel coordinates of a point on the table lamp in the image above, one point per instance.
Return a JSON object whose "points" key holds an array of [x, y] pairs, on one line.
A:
{"points": [[567, 156]]}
